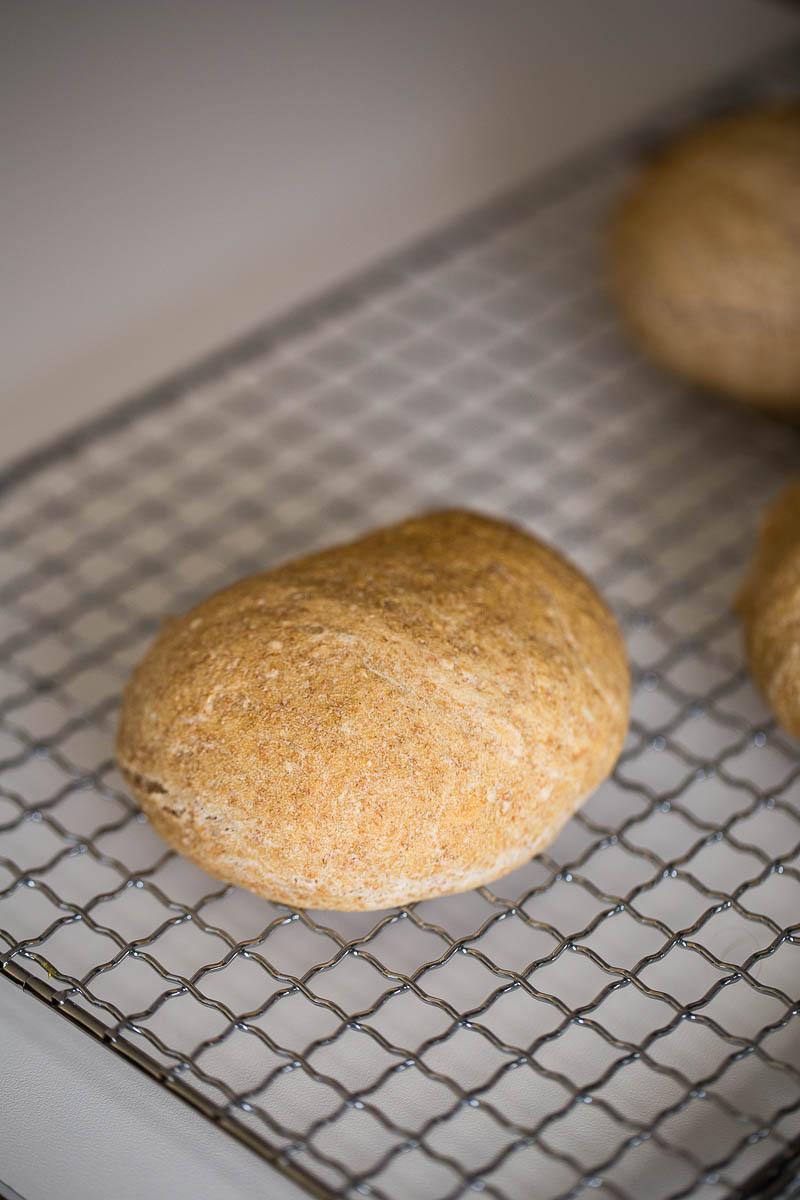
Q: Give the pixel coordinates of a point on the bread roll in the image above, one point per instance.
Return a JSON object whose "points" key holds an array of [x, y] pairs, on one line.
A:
{"points": [[769, 604], [706, 257], [412, 714]]}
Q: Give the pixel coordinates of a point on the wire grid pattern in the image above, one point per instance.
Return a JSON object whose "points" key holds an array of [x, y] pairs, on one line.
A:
{"points": [[618, 1018]]}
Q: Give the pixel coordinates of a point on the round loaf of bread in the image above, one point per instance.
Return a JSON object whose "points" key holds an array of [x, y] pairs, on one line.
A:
{"points": [[769, 604], [411, 714], [706, 257]]}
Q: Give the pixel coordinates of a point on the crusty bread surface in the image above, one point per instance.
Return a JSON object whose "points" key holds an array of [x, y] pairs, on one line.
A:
{"points": [[769, 605], [411, 714], [705, 257]]}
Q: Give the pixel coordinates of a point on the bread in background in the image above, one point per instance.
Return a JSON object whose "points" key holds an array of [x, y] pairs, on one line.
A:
{"points": [[769, 605], [705, 257]]}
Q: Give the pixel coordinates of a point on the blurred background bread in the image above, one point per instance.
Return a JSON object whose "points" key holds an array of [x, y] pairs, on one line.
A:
{"points": [[769, 604], [705, 257]]}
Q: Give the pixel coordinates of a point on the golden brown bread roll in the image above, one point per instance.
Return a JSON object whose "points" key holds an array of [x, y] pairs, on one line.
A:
{"points": [[705, 256], [769, 604], [411, 714]]}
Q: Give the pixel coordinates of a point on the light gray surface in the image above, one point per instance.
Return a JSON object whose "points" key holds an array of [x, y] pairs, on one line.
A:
{"points": [[76, 1122], [173, 172], [173, 197], [9, 1193]]}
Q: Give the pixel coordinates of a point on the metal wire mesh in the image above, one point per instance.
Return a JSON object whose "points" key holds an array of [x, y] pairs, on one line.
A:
{"points": [[617, 1018]]}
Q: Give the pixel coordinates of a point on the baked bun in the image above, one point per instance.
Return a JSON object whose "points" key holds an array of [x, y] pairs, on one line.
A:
{"points": [[769, 605], [411, 714], [705, 254]]}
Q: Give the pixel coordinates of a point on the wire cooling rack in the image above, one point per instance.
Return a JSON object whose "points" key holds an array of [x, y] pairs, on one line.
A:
{"points": [[618, 1018]]}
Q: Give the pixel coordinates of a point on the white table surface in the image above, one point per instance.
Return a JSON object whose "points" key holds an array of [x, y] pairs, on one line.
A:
{"points": [[175, 173]]}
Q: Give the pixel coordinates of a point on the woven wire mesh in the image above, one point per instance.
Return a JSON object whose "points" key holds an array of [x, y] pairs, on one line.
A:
{"points": [[618, 1018]]}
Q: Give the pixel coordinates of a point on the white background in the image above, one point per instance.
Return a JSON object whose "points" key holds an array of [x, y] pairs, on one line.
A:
{"points": [[172, 174], [176, 170]]}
